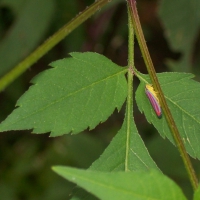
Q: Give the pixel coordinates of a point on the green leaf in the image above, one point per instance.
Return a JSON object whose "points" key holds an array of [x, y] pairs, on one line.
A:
{"points": [[126, 152], [123, 185], [77, 93], [181, 28], [32, 22], [182, 96], [197, 194]]}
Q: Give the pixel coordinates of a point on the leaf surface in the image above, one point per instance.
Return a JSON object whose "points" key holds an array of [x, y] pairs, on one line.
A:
{"points": [[197, 194], [126, 152], [182, 96], [77, 93], [123, 185]]}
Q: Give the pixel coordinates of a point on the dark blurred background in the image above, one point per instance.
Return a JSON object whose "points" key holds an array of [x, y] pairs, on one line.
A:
{"points": [[172, 36]]}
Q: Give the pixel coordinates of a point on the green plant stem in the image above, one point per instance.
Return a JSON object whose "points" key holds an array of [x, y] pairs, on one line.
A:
{"points": [[129, 105], [154, 79], [130, 42], [50, 43]]}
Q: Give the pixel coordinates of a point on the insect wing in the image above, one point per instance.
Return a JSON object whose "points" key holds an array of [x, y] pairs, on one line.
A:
{"points": [[155, 104]]}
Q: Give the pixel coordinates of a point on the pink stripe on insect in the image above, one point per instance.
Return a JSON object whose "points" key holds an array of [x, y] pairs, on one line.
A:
{"points": [[151, 94]]}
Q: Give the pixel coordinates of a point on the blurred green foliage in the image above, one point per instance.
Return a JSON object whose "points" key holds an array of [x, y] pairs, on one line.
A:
{"points": [[26, 159]]}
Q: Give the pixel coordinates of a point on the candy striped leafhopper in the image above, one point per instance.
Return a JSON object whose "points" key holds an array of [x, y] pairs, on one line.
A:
{"points": [[151, 94]]}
